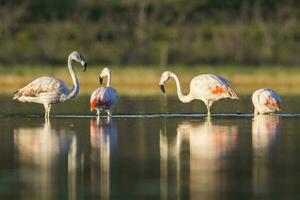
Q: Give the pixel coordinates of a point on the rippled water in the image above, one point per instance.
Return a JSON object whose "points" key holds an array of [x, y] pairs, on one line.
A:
{"points": [[152, 149]]}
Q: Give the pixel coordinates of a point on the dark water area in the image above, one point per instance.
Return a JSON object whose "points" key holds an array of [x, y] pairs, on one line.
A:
{"points": [[182, 157], [141, 105]]}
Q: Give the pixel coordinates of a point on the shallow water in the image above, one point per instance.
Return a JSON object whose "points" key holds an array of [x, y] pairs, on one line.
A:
{"points": [[152, 149], [141, 105]]}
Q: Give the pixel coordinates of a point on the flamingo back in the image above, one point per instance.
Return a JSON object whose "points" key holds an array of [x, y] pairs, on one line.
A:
{"points": [[211, 87], [103, 98], [42, 90]]}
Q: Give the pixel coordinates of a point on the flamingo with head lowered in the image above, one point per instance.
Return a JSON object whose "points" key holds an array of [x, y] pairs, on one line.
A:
{"points": [[50, 90], [104, 98], [207, 88], [265, 101]]}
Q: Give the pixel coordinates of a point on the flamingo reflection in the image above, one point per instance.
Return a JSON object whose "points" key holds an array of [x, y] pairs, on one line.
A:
{"points": [[208, 146], [265, 130], [102, 139], [38, 149], [265, 133]]}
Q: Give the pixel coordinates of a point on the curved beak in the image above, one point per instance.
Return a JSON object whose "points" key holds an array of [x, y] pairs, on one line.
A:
{"points": [[84, 64], [233, 94], [100, 80], [276, 105], [162, 88]]}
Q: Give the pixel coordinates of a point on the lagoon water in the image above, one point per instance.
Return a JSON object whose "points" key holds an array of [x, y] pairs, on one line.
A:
{"points": [[155, 148]]}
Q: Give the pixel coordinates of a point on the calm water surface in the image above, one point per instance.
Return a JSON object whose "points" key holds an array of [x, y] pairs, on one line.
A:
{"points": [[182, 157]]}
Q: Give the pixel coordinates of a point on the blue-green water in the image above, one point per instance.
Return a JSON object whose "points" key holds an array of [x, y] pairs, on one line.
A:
{"points": [[160, 155]]}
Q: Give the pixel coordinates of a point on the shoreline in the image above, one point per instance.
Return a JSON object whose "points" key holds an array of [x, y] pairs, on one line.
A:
{"points": [[143, 81]]}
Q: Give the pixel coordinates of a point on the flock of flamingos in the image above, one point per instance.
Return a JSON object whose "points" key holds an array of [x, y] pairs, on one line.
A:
{"points": [[206, 87]]}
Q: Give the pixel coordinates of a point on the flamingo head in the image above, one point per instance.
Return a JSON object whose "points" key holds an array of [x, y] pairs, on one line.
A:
{"points": [[272, 104], [75, 55], [164, 78], [232, 93], [104, 73]]}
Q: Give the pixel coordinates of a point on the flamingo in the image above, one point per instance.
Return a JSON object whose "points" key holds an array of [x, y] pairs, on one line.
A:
{"points": [[50, 90], [104, 98], [207, 88], [265, 101]]}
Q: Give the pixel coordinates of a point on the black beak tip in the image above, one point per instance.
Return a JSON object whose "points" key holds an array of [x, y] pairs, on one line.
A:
{"points": [[84, 66], [162, 88]]}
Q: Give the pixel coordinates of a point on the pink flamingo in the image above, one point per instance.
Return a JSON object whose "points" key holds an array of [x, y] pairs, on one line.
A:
{"points": [[104, 98], [207, 88], [50, 90], [265, 101]]}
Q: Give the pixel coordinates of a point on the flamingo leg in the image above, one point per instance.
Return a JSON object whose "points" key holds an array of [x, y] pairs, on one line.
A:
{"points": [[45, 106], [108, 120], [98, 116], [208, 105], [208, 111], [98, 112], [47, 110], [109, 115]]}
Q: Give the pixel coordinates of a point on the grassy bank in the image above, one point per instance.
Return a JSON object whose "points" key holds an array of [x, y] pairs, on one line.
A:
{"points": [[140, 81]]}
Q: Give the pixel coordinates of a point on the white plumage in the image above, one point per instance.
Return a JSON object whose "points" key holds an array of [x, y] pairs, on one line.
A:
{"points": [[266, 101], [207, 88], [50, 90], [104, 98]]}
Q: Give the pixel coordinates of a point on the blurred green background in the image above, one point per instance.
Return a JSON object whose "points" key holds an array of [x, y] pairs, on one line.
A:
{"points": [[151, 32]]}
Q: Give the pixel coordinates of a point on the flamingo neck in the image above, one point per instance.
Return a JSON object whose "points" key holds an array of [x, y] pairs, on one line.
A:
{"points": [[75, 89], [183, 98], [108, 79]]}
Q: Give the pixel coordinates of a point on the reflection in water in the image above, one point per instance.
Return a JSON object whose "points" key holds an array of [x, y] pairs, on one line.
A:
{"points": [[102, 136], [38, 150], [265, 133], [208, 146], [265, 130], [54, 163]]}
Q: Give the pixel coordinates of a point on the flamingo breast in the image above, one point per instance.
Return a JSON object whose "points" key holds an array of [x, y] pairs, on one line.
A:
{"points": [[104, 98]]}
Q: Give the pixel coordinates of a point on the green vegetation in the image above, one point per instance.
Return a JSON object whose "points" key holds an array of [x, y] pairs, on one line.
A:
{"points": [[136, 80], [253, 43], [151, 32]]}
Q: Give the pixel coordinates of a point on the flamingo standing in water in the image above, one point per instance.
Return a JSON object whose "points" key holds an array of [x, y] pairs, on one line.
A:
{"points": [[265, 101], [104, 98], [207, 88], [50, 90]]}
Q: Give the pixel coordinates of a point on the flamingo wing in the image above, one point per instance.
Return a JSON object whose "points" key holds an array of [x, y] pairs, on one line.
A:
{"points": [[41, 86], [224, 87], [209, 86]]}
